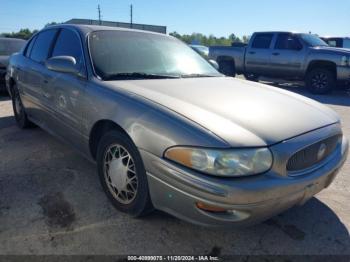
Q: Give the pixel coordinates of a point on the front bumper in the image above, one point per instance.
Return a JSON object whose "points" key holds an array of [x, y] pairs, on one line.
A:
{"points": [[176, 190], [343, 73]]}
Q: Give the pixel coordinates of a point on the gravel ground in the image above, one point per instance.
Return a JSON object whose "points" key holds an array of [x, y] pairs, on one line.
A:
{"points": [[51, 202]]}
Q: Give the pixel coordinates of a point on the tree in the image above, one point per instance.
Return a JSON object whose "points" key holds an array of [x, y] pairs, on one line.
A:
{"points": [[51, 23], [23, 33], [200, 39], [246, 39]]}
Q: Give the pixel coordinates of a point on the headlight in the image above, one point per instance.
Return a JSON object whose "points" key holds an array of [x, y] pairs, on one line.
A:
{"points": [[226, 162], [345, 61]]}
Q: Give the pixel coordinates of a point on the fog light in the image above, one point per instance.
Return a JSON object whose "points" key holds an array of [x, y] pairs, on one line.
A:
{"points": [[210, 208]]}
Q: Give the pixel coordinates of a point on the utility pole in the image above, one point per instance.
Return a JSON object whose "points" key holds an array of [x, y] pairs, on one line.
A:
{"points": [[131, 15], [99, 14]]}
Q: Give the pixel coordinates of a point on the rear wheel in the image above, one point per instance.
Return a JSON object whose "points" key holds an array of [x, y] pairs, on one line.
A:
{"points": [[227, 68], [18, 110], [122, 174], [320, 81], [251, 77]]}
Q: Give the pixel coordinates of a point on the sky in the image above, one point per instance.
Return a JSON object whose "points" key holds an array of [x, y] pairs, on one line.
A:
{"points": [[220, 18]]}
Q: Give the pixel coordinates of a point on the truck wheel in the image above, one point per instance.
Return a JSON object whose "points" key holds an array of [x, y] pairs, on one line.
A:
{"points": [[122, 174], [227, 68], [251, 77], [19, 111], [320, 81]]}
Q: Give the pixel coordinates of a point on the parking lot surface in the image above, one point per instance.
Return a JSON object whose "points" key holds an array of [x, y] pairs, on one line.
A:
{"points": [[51, 202]]}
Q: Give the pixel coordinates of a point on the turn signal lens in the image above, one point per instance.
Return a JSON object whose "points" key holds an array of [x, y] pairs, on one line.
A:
{"points": [[209, 208]]}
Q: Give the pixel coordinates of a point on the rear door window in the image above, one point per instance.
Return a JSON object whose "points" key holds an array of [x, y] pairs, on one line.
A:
{"points": [[262, 41], [30, 47], [42, 45]]}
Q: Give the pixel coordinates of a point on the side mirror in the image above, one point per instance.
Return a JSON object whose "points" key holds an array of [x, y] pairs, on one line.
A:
{"points": [[214, 64], [63, 64]]}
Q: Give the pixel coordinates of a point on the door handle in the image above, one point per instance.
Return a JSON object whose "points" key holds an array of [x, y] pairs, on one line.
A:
{"points": [[276, 54], [252, 52]]}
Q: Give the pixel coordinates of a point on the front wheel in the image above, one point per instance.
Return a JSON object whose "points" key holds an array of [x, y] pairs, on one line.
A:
{"points": [[227, 68], [19, 111], [251, 77], [320, 81], [122, 174]]}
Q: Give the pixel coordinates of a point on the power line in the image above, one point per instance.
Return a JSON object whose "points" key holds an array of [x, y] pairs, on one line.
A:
{"points": [[99, 14], [131, 15]]}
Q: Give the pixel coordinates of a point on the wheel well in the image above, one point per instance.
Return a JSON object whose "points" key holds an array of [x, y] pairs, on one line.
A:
{"points": [[98, 130], [324, 65], [12, 83], [226, 59]]}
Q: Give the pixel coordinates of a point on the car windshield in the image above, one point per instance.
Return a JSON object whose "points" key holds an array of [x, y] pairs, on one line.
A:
{"points": [[127, 54], [313, 40], [10, 46]]}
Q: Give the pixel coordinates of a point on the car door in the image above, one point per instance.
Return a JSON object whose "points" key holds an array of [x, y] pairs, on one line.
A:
{"points": [[64, 90], [288, 56], [31, 75], [258, 54]]}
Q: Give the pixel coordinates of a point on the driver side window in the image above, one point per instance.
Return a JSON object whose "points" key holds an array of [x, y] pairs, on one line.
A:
{"points": [[68, 44]]}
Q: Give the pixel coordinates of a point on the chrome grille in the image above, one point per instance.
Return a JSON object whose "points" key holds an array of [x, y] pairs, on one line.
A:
{"points": [[312, 155]]}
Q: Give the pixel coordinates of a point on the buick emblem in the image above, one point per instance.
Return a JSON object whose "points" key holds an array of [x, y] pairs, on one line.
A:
{"points": [[321, 151]]}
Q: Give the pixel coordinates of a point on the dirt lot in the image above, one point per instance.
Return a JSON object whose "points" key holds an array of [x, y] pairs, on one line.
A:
{"points": [[51, 202]]}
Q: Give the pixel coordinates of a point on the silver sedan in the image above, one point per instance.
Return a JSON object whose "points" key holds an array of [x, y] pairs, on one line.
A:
{"points": [[169, 132]]}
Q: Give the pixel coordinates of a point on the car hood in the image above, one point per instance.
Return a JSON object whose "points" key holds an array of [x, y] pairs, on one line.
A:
{"points": [[336, 50], [242, 113]]}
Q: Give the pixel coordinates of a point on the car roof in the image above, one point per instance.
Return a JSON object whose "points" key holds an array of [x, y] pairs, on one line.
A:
{"points": [[86, 29], [277, 32]]}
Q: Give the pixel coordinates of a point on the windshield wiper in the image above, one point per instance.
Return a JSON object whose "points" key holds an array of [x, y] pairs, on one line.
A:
{"points": [[137, 75], [197, 75]]}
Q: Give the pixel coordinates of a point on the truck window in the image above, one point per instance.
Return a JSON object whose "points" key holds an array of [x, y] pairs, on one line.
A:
{"points": [[332, 43], [262, 41], [346, 43], [287, 42]]}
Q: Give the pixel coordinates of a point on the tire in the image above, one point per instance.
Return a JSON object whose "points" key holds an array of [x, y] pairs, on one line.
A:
{"points": [[19, 110], [251, 77], [320, 81], [122, 174], [227, 68]]}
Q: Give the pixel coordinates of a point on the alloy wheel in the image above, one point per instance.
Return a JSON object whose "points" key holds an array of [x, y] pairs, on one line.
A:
{"points": [[319, 81]]}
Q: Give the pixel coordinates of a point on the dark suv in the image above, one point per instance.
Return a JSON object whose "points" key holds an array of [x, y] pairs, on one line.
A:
{"points": [[8, 46]]}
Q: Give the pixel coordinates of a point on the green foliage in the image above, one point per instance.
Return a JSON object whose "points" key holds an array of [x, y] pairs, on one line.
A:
{"points": [[52, 23], [25, 33], [197, 38], [22, 34]]}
